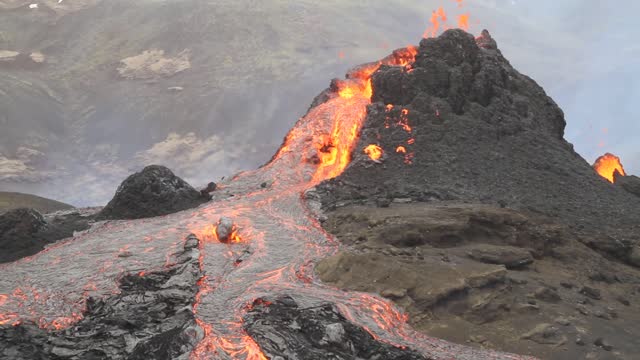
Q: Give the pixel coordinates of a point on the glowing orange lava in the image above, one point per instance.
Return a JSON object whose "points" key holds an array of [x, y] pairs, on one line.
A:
{"points": [[439, 19], [607, 164], [374, 151], [401, 150], [9, 319]]}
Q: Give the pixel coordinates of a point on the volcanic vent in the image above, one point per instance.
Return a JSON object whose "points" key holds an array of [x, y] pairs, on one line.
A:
{"points": [[463, 124]]}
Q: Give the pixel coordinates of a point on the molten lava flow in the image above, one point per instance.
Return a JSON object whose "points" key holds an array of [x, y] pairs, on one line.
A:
{"points": [[374, 151], [405, 56], [607, 164]]}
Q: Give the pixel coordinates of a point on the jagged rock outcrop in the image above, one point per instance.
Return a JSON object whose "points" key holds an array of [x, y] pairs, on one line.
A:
{"points": [[286, 331], [630, 183], [24, 232], [151, 318], [488, 277], [154, 191], [21, 224], [463, 124]]}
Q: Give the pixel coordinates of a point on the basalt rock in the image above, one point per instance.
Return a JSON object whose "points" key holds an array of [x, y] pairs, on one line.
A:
{"points": [[21, 223], [224, 229], [150, 318], [480, 131], [24, 232], [154, 191], [286, 331], [629, 183]]}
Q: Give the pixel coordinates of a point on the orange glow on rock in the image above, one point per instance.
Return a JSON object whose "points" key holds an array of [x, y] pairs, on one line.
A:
{"points": [[374, 151], [401, 150], [607, 164], [9, 319]]}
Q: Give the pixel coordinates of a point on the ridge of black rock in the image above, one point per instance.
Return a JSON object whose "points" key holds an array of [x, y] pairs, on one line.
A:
{"points": [[151, 318], [630, 183], [285, 331], [481, 132], [25, 232], [154, 191]]}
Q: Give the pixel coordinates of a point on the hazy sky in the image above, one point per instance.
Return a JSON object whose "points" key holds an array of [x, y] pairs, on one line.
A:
{"points": [[584, 53]]}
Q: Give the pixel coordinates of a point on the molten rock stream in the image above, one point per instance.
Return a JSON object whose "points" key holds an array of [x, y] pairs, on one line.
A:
{"points": [[277, 242]]}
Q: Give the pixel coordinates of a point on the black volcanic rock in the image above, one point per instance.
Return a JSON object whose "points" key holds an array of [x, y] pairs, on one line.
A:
{"points": [[285, 331], [149, 318], [481, 132], [24, 232], [21, 223], [18, 232], [629, 183], [154, 191]]}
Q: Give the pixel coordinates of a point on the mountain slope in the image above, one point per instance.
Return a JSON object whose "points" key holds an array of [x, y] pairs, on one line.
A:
{"points": [[12, 200]]}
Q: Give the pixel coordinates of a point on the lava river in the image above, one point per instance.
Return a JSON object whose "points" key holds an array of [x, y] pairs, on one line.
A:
{"points": [[279, 241]]}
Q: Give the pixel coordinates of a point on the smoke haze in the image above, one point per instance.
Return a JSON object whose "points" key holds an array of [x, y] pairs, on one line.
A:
{"points": [[235, 76]]}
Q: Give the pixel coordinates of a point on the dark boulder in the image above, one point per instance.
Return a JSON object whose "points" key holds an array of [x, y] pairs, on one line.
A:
{"points": [[206, 192], [154, 191], [21, 221], [24, 232], [18, 229]]}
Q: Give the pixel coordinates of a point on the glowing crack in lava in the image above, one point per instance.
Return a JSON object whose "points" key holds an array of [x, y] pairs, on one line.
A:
{"points": [[607, 164], [274, 245]]}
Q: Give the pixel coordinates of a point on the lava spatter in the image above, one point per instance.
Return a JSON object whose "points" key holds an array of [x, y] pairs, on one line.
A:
{"points": [[607, 164]]}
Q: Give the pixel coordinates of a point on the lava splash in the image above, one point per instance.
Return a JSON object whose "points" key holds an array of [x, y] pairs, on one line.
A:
{"points": [[606, 166]]}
